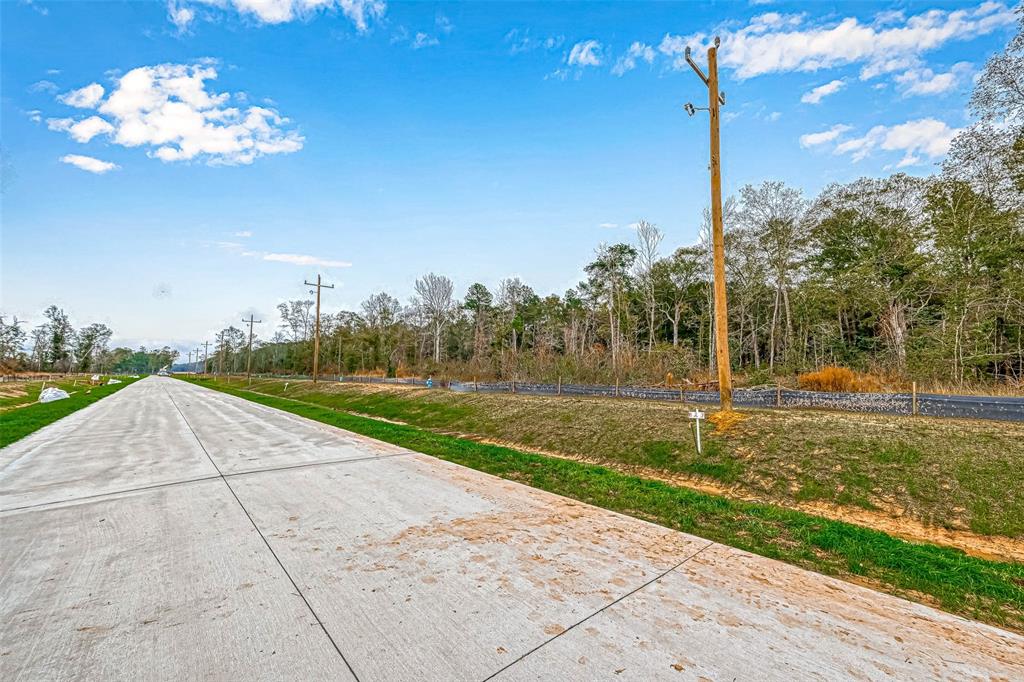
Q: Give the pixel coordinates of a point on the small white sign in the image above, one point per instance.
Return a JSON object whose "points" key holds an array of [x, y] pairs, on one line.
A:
{"points": [[696, 414]]}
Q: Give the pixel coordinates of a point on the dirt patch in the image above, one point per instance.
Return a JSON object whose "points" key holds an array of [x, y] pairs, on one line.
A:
{"points": [[13, 392]]}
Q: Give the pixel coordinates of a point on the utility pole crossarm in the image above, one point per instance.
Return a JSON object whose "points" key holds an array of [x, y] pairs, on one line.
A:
{"points": [[693, 65]]}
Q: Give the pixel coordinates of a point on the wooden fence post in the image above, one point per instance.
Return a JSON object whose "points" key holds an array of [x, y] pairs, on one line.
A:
{"points": [[778, 395], [913, 398], [513, 385], [616, 387], [559, 384]]}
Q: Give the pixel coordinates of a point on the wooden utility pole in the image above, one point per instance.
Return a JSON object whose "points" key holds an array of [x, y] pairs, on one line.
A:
{"points": [[248, 361], [716, 100], [316, 332], [206, 354], [220, 354]]}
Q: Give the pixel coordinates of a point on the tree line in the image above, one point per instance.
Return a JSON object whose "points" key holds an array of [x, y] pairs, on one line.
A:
{"points": [[56, 346], [900, 275]]}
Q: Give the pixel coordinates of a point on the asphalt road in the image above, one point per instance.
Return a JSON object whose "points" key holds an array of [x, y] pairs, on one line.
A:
{"points": [[172, 532]]}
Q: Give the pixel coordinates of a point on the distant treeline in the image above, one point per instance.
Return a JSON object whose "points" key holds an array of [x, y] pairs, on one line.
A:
{"points": [[57, 346]]}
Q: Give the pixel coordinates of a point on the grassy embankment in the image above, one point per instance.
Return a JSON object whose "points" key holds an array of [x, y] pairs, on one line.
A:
{"points": [[992, 591], [20, 414]]}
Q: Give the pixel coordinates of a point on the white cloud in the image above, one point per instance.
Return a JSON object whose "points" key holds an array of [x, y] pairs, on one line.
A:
{"points": [[180, 15], [585, 53], [297, 259], [424, 40], [926, 136], [83, 98], [88, 163], [609, 226], [521, 41], [627, 62], [34, 115], [773, 117], [168, 109], [81, 131], [819, 93], [290, 258], [43, 86], [814, 139], [245, 234], [924, 81], [359, 12], [775, 43], [444, 24], [43, 11]]}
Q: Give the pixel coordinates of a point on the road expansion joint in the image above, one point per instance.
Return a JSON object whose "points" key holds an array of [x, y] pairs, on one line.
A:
{"points": [[306, 465], [600, 610], [266, 542], [100, 497]]}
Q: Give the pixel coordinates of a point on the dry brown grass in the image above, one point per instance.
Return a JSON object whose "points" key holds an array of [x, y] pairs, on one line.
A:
{"points": [[839, 379]]}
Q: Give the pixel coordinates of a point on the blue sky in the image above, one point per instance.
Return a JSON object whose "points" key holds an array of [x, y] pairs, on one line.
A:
{"points": [[170, 167]]}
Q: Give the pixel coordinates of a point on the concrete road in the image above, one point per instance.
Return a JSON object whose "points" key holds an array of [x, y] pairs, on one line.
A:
{"points": [[172, 532]]}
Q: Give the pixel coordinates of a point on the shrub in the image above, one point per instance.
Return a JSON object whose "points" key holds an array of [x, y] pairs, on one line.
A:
{"points": [[838, 379]]}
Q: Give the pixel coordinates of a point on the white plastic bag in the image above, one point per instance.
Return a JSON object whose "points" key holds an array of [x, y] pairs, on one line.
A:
{"points": [[113, 381], [48, 395]]}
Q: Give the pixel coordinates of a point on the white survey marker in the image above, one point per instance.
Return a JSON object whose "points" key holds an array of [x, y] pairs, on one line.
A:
{"points": [[696, 416]]}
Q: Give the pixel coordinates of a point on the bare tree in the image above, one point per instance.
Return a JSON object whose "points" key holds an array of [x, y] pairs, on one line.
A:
{"points": [[648, 238], [297, 318], [381, 314], [774, 213], [434, 298], [675, 277]]}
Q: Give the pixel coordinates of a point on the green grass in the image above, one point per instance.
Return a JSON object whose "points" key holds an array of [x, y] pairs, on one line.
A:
{"points": [[18, 422], [986, 590], [956, 474]]}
